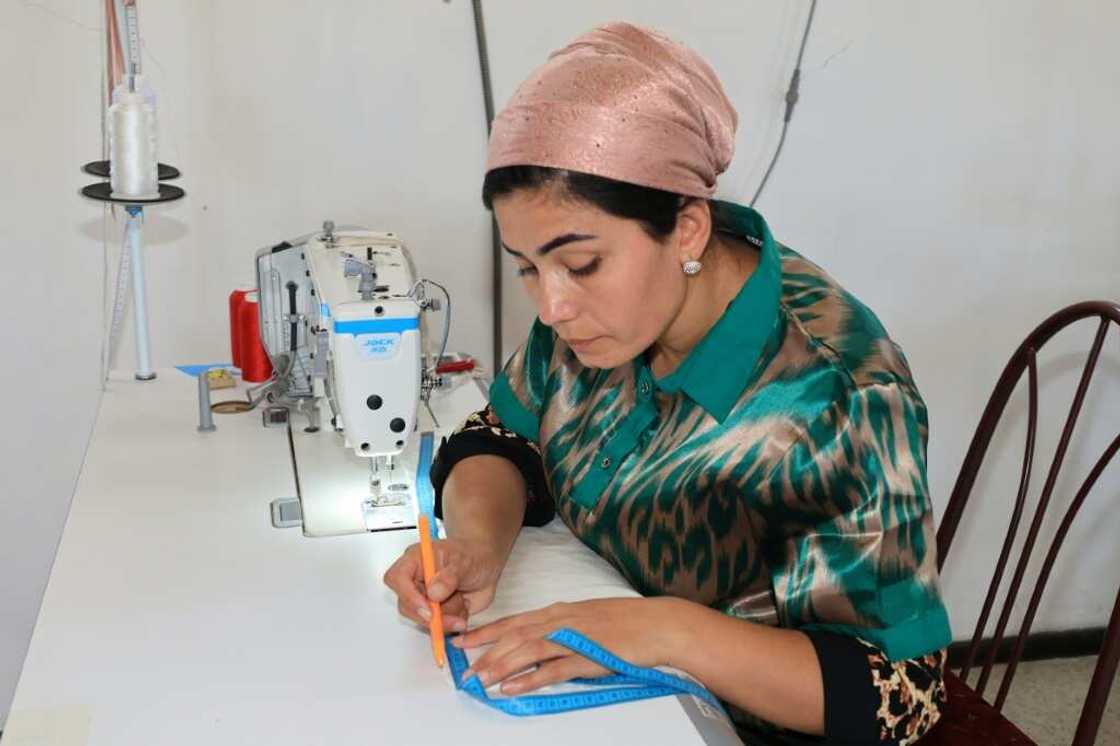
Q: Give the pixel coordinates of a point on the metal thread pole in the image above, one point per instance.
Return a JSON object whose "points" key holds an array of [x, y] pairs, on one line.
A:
{"points": [[495, 244], [144, 370], [205, 414]]}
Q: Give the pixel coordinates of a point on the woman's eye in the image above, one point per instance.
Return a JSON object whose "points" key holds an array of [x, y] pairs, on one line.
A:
{"points": [[529, 270], [586, 269]]}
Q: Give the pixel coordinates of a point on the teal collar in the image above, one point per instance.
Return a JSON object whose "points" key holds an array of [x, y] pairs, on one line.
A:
{"points": [[716, 371]]}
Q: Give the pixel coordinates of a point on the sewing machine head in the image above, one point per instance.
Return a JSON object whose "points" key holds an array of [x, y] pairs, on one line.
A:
{"points": [[340, 318]]}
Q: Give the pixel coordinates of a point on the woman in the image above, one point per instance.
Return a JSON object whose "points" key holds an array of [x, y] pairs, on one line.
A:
{"points": [[704, 408]]}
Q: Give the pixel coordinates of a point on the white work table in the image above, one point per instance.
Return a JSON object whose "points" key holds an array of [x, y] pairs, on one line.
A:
{"points": [[176, 613]]}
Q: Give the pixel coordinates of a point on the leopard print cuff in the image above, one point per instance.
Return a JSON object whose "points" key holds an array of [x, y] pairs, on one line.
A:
{"points": [[484, 433], [868, 699], [911, 694]]}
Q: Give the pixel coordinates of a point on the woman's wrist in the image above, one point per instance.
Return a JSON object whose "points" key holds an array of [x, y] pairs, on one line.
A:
{"points": [[674, 625], [486, 545]]}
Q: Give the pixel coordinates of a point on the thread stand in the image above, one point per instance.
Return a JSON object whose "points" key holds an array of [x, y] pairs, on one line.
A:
{"points": [[103, 192]]}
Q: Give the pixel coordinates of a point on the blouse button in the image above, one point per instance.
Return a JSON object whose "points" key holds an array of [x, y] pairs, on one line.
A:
{"points": [[606, 462], [644, 388]]}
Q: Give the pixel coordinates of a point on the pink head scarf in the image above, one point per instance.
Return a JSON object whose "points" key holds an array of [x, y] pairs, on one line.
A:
{"points": [[625, 103]]}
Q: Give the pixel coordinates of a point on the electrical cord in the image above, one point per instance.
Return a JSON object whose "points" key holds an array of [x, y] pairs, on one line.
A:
{"points": [[420, 296], [248, 404], [446, 319], [792, 95]]}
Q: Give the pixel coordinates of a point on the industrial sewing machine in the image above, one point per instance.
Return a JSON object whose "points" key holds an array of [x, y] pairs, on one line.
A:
{"points": [[342, 320]]}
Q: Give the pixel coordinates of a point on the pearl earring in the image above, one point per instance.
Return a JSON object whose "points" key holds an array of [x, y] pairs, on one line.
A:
{"points": [[691, 267]]}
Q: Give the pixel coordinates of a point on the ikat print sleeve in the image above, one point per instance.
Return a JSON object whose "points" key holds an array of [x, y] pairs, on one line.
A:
{"points": [[849, 526]]}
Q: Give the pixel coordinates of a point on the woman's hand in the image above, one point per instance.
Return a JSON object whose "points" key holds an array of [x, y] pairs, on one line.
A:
{"points": [[464, 584], [634, 629]]}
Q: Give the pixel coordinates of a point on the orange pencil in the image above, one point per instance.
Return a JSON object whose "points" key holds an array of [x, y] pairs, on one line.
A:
{"points": [[428, 560]]}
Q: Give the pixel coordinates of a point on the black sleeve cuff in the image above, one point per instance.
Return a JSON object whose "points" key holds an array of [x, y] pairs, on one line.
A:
{"points": [[460, 445], [851, 704]]}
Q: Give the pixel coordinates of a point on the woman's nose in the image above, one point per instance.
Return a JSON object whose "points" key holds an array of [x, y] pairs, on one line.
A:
{"points": [[554, 306]]}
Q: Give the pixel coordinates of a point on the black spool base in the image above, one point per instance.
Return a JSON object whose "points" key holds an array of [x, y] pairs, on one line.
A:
{"points": [[103, 192]]}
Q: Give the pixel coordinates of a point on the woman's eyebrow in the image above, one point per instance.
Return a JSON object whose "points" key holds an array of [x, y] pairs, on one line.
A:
{"points": [[554, 243]]}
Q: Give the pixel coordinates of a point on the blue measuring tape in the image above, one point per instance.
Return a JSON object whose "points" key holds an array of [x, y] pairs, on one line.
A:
{"points": [[626, 683]]}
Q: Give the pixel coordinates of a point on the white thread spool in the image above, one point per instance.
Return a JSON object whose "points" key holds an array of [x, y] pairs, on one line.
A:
{"points": [[133, 168]]}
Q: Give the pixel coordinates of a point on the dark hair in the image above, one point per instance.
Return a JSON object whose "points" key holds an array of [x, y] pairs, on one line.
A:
{"points": [[655, 209]]}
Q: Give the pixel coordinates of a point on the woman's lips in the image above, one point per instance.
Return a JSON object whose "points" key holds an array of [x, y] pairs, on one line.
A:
{"points": [[581, 344]]}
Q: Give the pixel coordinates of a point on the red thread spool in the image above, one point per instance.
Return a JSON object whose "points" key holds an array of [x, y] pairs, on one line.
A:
{"points": [[236, 298], [255, 365]]}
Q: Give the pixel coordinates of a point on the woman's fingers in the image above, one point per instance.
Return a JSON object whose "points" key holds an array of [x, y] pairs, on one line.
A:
{"points": [[463, 584], [554, 671], [418, 613], [444, 583], [404, 578], [506, 645], [484, 635], [500, 628], [456, 612], [528, 653]]}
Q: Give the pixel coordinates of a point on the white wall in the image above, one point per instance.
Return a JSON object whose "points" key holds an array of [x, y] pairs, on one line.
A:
{"points": [[953, 164], [50, 281]]}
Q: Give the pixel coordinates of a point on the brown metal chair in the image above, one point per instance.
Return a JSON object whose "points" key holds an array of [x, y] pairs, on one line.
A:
{"points": [[968, 718]]}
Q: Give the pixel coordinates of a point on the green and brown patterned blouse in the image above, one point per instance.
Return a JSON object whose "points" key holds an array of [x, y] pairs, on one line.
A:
{"points": [[778, 474]]}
